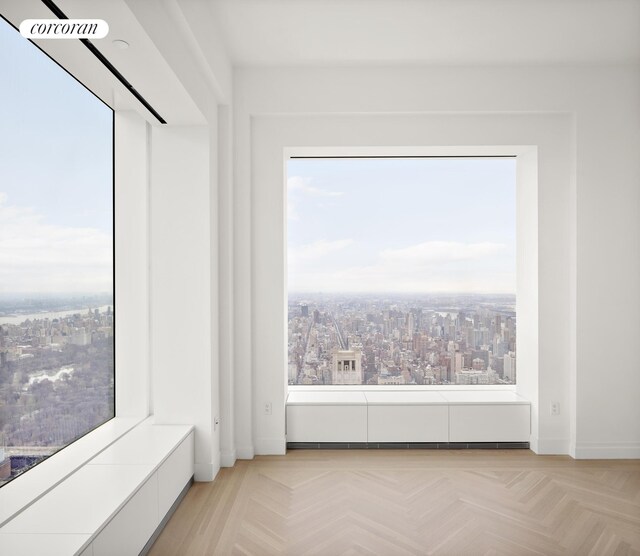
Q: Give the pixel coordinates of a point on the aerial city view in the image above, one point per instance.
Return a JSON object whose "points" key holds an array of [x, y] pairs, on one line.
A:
{"points": [[56, 258], [396, 340], [56, 376], [401, 271]]}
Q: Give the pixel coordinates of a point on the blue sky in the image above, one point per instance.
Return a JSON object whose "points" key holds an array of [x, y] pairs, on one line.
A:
{"points": [[402, 225], [55, 176]]}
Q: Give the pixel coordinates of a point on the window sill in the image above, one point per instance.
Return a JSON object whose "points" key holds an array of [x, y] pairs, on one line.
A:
{"points": [[28, 488], [404, 388], [115, 504], [404, 397]]}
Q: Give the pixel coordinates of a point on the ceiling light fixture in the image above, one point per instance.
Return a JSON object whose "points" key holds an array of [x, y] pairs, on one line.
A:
{"points": [[118, 43]]}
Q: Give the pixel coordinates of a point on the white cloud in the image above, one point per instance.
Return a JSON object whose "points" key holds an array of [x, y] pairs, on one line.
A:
{"points": [[292, 213], [298, 183], [440, 252], [425, 267], [36, 256], [312, 252]]}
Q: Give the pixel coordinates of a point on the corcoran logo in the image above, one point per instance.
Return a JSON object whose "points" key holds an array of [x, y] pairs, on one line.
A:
{"points": [[64, 28]]}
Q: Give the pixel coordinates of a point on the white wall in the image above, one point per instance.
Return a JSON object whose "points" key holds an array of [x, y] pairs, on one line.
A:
{"points": [[192, 234], [584, 121], [505, 134], [132, 265], [242, 329], [225, 292], [181, 305], [608, 267], [187, 173]]}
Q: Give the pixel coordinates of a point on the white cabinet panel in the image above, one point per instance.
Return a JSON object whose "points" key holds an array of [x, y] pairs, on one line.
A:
{"points": [[407, 416], [408, 423], [18, 494], [174, 474], [404, 397], [323, 397], [326, 423], [489, 423], [98, 497], [26, 544], [82, 503], [128, 532], [481, 397]]}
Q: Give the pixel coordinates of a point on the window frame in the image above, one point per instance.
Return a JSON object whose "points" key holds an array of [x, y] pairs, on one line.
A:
{"points": [[113, 242], [378, 387], [478, 151], [133, 408]]}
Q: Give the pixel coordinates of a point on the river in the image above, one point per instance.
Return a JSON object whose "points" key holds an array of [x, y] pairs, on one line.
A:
{"points": [[19, 319]]}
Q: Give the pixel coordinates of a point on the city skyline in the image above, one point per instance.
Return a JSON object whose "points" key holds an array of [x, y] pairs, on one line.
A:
{"points": [[56, 383], [401, 271], [57, 355], [395, 340]]}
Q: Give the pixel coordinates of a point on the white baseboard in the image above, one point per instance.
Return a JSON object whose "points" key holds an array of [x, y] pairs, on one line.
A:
{"points": [[549, 446], [245, 452], [205, 472], [271, 446], [228, 459], [606, 450]]}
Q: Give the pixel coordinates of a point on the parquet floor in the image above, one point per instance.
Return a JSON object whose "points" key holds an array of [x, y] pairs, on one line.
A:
{"points": [[403, 502]]}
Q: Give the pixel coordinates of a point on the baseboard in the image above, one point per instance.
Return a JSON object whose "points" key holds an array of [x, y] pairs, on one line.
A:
{"points": [[550, 446], [245, 452], [228, 459], [606, 450], [407, 445], [205, 472], [271, 446]]}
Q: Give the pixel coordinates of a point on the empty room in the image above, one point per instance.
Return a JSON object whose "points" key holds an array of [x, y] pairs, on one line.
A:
{"points": [[319, 277]]}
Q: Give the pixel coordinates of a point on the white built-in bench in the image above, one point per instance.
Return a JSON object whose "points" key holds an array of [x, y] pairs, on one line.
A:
{"points": [[112, 505], [411, 417]]}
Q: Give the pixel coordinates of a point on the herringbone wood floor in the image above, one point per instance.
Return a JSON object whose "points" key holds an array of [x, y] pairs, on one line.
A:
{"points": [[411, 502]]}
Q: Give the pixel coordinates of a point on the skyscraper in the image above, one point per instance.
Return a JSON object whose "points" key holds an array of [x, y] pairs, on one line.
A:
{"points": [[346, 367], [510, 366]]}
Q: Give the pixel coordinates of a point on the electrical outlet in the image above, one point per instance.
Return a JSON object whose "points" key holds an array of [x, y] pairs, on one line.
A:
{"points": [[267, 408], [555, 408]]}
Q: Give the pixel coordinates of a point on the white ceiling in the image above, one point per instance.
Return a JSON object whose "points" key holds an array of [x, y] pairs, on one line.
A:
{"points": [[329, 32], [142, 64], [171, 39]]}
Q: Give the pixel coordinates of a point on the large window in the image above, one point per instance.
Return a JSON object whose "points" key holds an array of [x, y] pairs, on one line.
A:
{"points": [[56, 257], [401, 271]]}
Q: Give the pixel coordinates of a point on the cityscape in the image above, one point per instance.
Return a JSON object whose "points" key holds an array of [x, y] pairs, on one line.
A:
{"points": [[401, 271], [56, 258], [56, 376], [401, 339]]}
